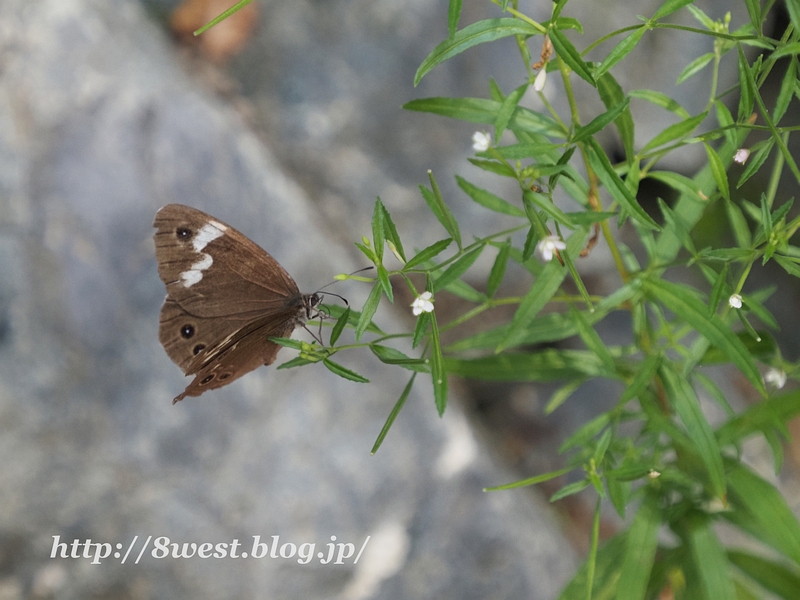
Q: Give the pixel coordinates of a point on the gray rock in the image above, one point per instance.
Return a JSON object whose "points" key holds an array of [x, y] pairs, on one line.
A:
{"points": [[98, 128]]}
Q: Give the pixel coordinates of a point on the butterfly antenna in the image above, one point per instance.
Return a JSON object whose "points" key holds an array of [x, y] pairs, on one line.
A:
{"points": [[334, 281]]}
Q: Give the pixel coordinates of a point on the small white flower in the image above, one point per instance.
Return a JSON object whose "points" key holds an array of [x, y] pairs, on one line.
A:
{"points": [[776, 377], [422, 304], [481, 141], [653, 474], [547, 247], [735, 301], [741, 155], [538, 83]]}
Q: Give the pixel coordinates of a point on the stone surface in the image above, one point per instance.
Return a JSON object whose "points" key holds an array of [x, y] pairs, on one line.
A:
{"points": [[99, 126]]}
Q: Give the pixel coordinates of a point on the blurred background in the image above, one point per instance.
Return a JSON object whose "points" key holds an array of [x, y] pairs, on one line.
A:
{"points": [[286, 123]]}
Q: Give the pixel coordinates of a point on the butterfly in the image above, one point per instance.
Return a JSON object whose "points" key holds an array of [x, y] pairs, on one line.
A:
{"points": [[226, 297]]}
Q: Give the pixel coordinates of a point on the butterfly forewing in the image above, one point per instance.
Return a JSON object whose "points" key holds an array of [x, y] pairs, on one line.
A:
{"points": [[225, 298]]}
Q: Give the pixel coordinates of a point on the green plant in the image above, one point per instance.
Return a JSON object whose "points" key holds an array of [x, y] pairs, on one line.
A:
{"points": [[677, 471]]}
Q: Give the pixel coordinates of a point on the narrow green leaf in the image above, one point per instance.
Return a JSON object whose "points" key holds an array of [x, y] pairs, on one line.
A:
{"points": [[620, 51], [477, 33], [746, 91], [529, 480], [370, 306], [712, 565], [546, 365], [643, 378], [390, 231], [662, 100], [457, 269], [489, 200], [548, 207], [343, 372], [337, 311], [718, 170], [761, 510], [585, 433], [481, 110], [570, 55], [686, 306], [674, 132], [694, 67], [378, 224], [787, 88], [383, 278], [599, 122], [790, 267], [391, 356], [235, 8], [288, 342], [793, 7], [466, 292], [497, 167], [792, 49], [545, 286], [453, 14], [428, 253], [421, 328], [524, 150], [341, 322], [682, 396], [770, 575], [393, 415], [677, 182], [438, 371], [570, 490], [498, 269], [507, 108], [441, 212], [562, 394], [590, 217], [754, 10], [640, 550], [763, 350], [616, 187], [368, 252], [611, 94], [756, 160], [592, 339], [670, 7], [297, 361], [718, 291], [738, 224], [531, 239]]}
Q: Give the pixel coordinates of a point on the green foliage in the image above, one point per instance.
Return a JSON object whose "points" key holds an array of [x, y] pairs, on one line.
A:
{"points": [[677, 472]]}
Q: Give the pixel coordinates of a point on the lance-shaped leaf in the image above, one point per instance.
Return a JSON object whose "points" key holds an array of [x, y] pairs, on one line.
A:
{"points": [[681, 301], [683, 397], [343, 372], [433, 197], [570, 55], [542, 290], [457, 269], [472, 35], [674, 132], [428, 253], [620, 51], [616, 187], [489, 200]]}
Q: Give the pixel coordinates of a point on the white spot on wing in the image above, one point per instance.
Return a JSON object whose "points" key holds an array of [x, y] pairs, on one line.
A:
{"points": [[203, 263], [191, 277], [207, 233], [195, 274]]}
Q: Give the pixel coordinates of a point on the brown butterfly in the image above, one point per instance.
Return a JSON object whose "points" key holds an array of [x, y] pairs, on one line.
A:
{"points": [[225, 298]]}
